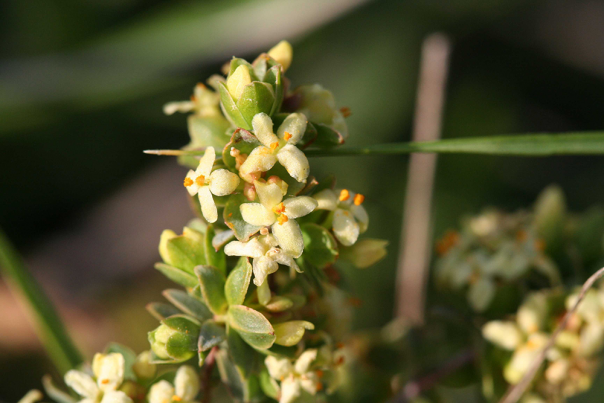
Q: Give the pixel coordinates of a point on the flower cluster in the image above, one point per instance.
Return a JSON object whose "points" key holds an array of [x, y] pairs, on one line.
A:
{"points": [[572, 362]]}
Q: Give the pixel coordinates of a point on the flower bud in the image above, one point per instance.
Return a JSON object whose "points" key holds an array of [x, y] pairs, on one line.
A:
{"points": [[186, 383], [319, 106], [175, 339], [365, 252], [184, 251], [282, 53], [142, 367], [237, 81], [504, 334]]}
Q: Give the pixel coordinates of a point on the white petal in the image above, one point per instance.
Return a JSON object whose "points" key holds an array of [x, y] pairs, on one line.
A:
{"points": [[262, 267], [194, 188], [283, 258], [186, 383], [184, 106], [113, 396], [295, 125], [345, 227], [504, 334], [268, 241], [299, 206], [223, 182], [304, 361], [481, 293], [109, 370], [206, 162], [294, 161], [32, 396], [278, 368], [82, 384], [257, 214], [361, 216], [282, 53], [263, 129], [252, 248], [161, 392], [290, 390], [261, 159], [208, 207], [309, 382], [270, 194], [326, 199], [289, 237]]}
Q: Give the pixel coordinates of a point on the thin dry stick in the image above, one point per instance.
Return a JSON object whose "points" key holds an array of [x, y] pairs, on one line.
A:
{"points": [[414, 256], [515, 392]]}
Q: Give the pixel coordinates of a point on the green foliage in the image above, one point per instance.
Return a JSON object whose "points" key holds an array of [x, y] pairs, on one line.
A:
{"points": [[238, 282], [320, 246], [212, 283]]}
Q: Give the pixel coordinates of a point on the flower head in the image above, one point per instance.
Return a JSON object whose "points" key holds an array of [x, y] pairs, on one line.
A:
{"points": [[350, 218], [277, 147], [203, 183], [185, 389], [295, 378]]}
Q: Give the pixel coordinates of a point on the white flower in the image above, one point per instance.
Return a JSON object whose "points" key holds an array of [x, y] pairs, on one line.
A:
{"points": [[350, 218], [32, 396], [294, 378], [204, 103], [281, 148], [185, 389], [280, 214], [109, 373], [202, 183], [265, 253]]}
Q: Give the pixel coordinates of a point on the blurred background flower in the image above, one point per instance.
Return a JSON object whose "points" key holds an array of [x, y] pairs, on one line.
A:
{"points": [[82, 85]]}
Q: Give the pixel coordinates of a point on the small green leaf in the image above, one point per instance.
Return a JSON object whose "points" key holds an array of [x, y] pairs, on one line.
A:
{"points": [[233, 219], [230, 375], [161, 311], [210, 335], [214, 257], [238, 282], [290, 333], [211, 282], [182, 323], [320, 247], [326, 136], [269, 386], [252, 326], [279, 304], [280, 351], [176, 275], [204, 132], [184, 251], [273, 76], [243, 141], [242, 354], [180, 346], [257, 97], [230, 108], [188, 304]]}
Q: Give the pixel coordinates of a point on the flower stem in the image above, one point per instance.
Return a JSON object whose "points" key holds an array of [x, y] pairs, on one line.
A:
{"points": [[49, 327]]}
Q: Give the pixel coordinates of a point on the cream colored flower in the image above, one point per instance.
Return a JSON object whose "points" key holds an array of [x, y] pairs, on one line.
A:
{"points": [[109, 373], [280, 147], [204, 103], [203, 183], [185, 389], [349, 219], [280, 214], [319, 105], [295, 379], [265, 254]]}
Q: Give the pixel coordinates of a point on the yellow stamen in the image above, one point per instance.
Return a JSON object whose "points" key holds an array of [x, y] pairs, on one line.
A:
{"points": [[358, 199], [176, 398], [282, 219], [105, 381], [200, 180], [188, 182], [345, 111], [274, 146], [344, 195], [287, 136], [279, 208]]}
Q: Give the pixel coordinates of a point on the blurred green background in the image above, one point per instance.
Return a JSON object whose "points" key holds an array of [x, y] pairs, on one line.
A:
{"points": [[82, 84]]}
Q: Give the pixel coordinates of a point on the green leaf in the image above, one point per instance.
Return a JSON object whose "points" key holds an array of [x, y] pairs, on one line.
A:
{"points": [[161, 311], [256, 98], [233, 219], [320, 247], [230, 375], [238, 282], [273, 77], [242, 354], [129, 358], [269, 385], [204, 132], [214, 257], [182, 323], [48, 324], [279, 304], [188, 304], [252, 326], [290, 333], [236, 62], [280, 351], [526, 145], [326, 136], [176, 275], [243, 141], [185, 251], [211, 334], [211, 282], [230, 108]]}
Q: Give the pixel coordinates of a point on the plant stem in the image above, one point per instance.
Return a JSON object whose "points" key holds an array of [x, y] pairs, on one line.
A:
{"points": [[48, 325], [206, 375]]}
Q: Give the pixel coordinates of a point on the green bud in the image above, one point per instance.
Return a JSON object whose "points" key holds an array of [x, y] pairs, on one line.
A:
{"points": [[184, 251], [319, 106], [237, 81], [365, 252], [550, 214], [142, 367], [175, 339]]}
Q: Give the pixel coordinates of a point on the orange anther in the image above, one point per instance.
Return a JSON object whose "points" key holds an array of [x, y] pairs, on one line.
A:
{"points": [[521, 236], [105, 381], [282, 219], [344, 195], [188, 182], [319, 386], [320, 373], [274, 146], [340, 360], [200, 180], [448, 241], [345, 111], [540, 245], [358, 199], [279, 208], [176, 398], [287, 136]]}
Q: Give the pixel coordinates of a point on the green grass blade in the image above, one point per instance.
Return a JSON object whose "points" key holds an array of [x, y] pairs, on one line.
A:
{"points": [[528, 145], [50, 329]]}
